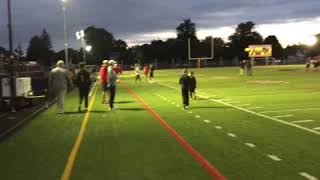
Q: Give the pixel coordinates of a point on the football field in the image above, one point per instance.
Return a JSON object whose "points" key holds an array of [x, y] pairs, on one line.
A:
{"points": [[240, 128]]}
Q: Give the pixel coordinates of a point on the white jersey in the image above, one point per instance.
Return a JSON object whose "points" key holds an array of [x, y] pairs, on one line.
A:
{"points": [[137, 70]]}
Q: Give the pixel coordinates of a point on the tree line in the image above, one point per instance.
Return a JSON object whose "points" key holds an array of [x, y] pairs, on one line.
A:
{"points": [[105, 46]]}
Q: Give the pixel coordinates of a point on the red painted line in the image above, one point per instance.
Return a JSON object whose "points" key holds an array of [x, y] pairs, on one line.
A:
{"points": [[194, 153]]}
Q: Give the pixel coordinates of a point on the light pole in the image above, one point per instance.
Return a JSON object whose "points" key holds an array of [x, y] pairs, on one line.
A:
{"points": [[80, 36], [64, 9], [12, 60]]}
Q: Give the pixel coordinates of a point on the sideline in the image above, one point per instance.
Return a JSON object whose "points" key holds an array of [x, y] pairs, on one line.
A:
{"points": [[252, 112], [75, 149], [193, 152]]}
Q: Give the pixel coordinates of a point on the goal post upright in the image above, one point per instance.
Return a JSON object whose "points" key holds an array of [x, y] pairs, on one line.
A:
{"points": [[200, 58]]}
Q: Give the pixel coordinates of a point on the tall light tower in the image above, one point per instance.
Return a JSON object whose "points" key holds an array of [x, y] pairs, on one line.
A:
{"points": [[10, 27], [64, 9], [80, 36]]}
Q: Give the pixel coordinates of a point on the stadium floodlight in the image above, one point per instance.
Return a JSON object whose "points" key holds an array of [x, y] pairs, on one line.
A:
{"points": [[80, 36], [310, 41], [88, 48], [200, 58]]}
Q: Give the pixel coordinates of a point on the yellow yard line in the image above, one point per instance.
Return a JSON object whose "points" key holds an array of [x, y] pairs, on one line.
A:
{"points": [[75, 149]]}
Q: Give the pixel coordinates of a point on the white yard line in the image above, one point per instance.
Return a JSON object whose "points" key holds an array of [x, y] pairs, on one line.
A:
{"points": [[302, 121], [197, 116], [206, 121], [218, 127], [234, 102], [308, 176], [317, 128], [232, 135], [273, 157], [283, 116], [244, 105], [255, 113], [250, 145], [291, 110], [255, 108], [226, 99]]}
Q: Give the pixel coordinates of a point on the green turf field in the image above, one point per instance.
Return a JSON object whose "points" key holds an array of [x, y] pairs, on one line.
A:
{"points": [[246, 128]]}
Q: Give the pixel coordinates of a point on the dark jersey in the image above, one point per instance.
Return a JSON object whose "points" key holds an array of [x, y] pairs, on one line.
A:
{"points": [[242, 64], [184, 81], [193, 82], [83, 79]]}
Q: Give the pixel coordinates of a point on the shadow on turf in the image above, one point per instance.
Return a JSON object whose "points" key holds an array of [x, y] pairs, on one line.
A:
{"points": [[124, 102]]}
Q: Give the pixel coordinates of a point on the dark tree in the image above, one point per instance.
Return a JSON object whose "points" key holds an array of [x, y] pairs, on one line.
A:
{"points": [[244, 36], [277, 50], [40, 49], [102, 43]]}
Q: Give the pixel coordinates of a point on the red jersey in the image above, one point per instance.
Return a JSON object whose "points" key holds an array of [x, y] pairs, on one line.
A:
{"points": [[145, 70], [103, 74], [117, 69]]}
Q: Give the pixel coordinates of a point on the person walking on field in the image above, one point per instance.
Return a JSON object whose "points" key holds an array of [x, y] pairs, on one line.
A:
{"points": [[58, 82], [192, 86], [249, 67], [146, 71], [151, 72], [112, 79], [83, 82], [103, 80], [137, 72], [185, 84], [242, 65]]}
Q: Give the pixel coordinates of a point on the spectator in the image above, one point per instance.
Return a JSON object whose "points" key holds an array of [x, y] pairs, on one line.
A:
{"points": [[83, 82], [58, 82], [185, 83], [103, 80], [112, 79]]}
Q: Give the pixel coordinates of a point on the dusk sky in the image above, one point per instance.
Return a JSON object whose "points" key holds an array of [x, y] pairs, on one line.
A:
{"points": [[140, 21]]}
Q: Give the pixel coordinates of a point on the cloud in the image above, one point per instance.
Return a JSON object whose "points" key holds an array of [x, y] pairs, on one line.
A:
{"points": [[129, 18]]}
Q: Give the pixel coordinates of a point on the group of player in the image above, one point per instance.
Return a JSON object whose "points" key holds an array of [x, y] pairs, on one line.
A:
{"points": [[246, 65], [109, 77], [188, 85], [315, 61], [148, 71]]}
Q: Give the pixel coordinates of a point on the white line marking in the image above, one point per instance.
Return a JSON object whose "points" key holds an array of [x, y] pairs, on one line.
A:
{"points": [[250, 145], [283, 116], [178, 105], [291, 110], [234, 102], [232, 135], [317, 128], [197, 116], [226, 99], [255, 108], [275, 158], [173, 103], [190, 112], [255, 113], [218, 127], [308, 176], [207, 121], [302, 121], [244, 104]]}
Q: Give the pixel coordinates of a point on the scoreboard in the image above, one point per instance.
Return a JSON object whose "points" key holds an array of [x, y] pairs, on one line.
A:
{"points": [[264, 50]]}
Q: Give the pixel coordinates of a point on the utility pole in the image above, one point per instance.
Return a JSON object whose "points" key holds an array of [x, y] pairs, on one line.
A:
{"points": [[11, 59]]}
